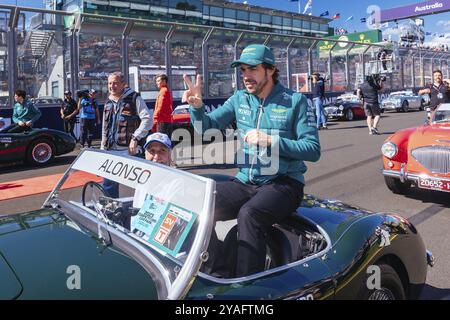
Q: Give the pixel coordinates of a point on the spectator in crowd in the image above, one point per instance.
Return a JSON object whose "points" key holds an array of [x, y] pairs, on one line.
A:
{"points": [[69, 112], [87, 118], [318, 93], [368, 92], [25, 114], [126, 122], [162, 118], [92, 96], [158, 147], [382, 56], [439, 90]]}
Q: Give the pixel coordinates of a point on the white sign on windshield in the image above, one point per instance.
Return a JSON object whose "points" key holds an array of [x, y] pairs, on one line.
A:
{"points": [[175, 186]]}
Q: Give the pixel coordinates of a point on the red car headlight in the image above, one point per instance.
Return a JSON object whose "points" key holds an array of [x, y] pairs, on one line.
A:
{"points": [[389, 149]]}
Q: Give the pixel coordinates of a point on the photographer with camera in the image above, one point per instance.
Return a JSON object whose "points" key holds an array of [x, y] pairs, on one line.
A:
{"points": [[318, 94], [368, 92]]}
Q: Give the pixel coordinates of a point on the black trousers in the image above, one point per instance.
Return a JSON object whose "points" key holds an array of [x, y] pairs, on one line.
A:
{"points": [[87, 131], [256, 208], [69, 126]]}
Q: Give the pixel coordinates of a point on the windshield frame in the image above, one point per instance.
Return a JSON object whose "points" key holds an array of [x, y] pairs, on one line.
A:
{"points": [[166, 287]]}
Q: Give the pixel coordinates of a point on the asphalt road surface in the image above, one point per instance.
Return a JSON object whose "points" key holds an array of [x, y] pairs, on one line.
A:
{"points": [[349, 170]]}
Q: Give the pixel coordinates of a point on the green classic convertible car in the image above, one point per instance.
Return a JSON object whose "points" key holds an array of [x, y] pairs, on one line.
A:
{"points": [[151, 242], [37, 146]]}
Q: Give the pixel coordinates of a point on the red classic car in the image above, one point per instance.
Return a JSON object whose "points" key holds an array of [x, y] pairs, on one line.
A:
{"points": [[181, 117], [419, 156]]}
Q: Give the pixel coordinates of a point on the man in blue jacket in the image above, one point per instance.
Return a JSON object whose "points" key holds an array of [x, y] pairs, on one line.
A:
{"points": [[273, 120]]}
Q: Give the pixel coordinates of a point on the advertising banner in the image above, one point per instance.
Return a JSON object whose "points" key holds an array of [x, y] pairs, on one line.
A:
{"points": [[366, 37], [415, 10]]}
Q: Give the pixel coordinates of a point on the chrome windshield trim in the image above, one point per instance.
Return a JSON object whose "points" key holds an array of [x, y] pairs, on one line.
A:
{"points": [[183, 281], [409, 176], [192, 264], [277, 269]]}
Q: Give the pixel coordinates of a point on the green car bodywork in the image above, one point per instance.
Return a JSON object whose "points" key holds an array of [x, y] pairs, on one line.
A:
{"points": [[19, 146], [37, 250]]}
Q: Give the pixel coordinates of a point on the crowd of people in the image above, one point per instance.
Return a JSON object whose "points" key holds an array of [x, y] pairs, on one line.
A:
{"points": [[437, 48]]}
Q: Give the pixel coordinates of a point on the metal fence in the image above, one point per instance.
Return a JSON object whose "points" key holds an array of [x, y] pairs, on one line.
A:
{"points": [[46, 52]]}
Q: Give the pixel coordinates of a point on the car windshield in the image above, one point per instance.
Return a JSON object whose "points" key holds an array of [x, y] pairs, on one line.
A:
{"points": [[159, 208], [397, 94], [441, 116], [346, 98], [183, 110]]}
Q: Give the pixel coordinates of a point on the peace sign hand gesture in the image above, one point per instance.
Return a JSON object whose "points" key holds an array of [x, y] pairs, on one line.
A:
{"points": [[193, 95]]}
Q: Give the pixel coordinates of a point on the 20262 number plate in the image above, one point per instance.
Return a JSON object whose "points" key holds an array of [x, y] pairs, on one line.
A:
{"points": [[434, 184]]}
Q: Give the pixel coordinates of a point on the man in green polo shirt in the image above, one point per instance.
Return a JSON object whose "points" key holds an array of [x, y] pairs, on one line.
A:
{"points": [[273, 120]]}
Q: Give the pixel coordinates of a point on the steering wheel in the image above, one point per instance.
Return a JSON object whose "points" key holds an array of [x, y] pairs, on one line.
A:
{"points": [[95, 190]]}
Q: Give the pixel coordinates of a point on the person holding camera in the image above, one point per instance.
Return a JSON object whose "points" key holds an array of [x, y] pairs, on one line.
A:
{"points": [[318, 93], [368, 92]]}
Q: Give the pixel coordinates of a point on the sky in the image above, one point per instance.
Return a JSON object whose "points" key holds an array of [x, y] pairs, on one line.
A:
{"points": [[439, 23]]}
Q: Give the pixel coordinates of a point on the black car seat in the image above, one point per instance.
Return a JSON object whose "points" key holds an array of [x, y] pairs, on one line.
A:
{"points": [[279, 250]]}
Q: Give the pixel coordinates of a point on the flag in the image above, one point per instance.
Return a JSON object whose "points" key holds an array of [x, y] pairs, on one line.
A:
{"points": [[324, 14], [336, 16], [341, 31], [428, 33], [308, 6], [349, 19], [363, 20]]}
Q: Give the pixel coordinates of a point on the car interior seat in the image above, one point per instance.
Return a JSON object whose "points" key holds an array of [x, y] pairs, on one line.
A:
{"points": [[278, 249]]}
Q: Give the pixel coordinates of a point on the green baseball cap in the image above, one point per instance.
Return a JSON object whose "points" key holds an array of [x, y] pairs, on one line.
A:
{"points": [[255, 54]]}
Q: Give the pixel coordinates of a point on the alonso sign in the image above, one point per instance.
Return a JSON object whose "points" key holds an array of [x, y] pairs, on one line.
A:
{"points": [[414, 10]]}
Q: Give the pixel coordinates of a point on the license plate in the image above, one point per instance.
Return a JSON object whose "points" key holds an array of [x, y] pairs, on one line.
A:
{"points": [[434, 184]]}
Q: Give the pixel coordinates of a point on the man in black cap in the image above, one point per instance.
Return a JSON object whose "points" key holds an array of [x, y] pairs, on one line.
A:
{"points": [[69, 112]]}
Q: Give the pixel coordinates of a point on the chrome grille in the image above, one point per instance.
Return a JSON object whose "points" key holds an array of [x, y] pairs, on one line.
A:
{"points": [[436, 159]]}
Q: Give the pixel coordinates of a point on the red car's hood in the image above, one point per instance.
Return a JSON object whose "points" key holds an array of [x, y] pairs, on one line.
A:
{"points": [[181, 118], [435, 134]]}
